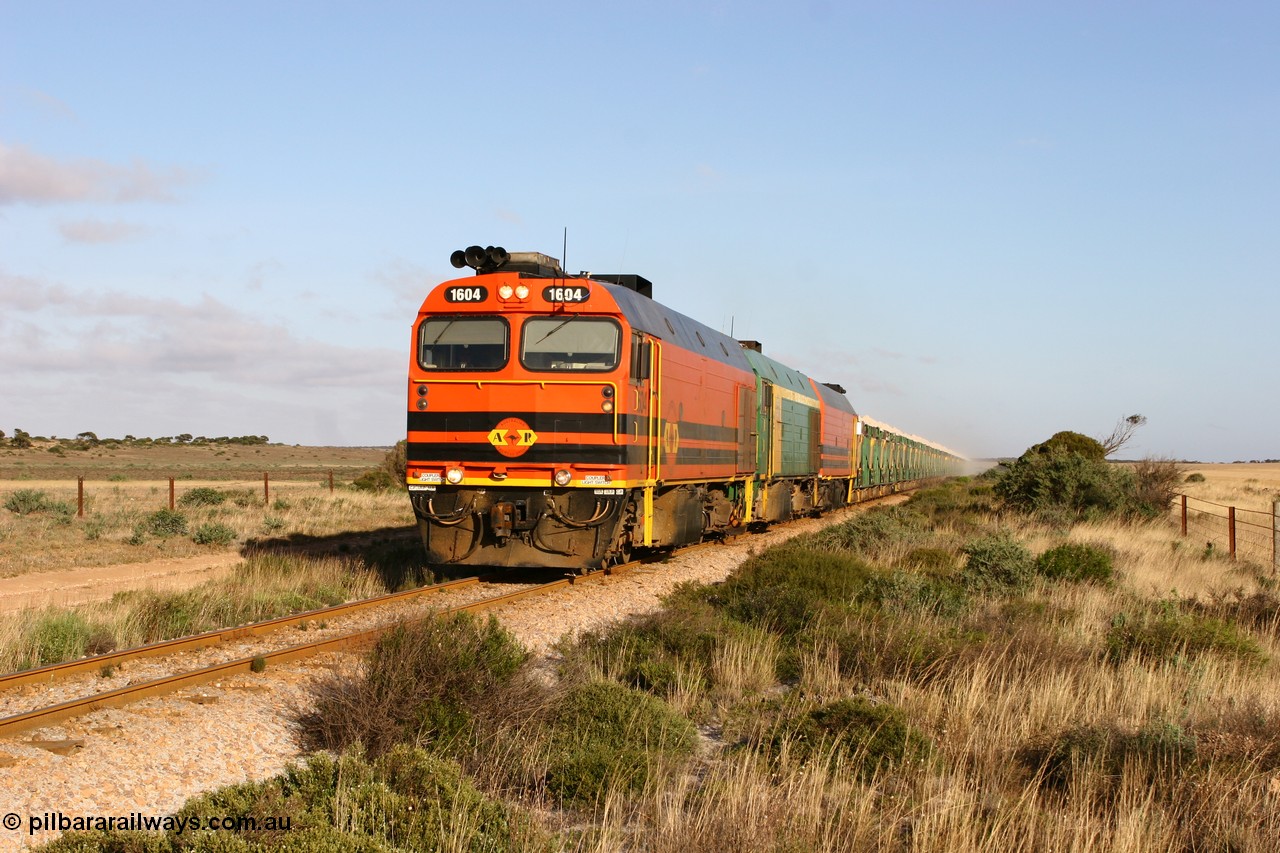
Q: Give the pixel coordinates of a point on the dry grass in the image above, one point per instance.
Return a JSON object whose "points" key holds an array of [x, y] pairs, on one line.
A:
{"points": [[263, 587], [115, 530], [1044, 740]]}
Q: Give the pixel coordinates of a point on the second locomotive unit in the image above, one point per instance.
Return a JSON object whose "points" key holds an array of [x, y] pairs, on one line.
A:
{"points": [[564, 421]]}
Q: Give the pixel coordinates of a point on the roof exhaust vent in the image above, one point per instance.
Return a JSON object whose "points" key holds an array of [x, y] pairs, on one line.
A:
{"points": [[754, 346]]}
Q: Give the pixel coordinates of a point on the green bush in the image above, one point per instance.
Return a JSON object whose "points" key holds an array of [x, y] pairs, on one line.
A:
{"points": [[1194, 477], [912, 592], [866, 735], [213, 534], [783, 589], [868, 533], [646, 650], [202, 496], [1070, 443], [997, 563], [1077, 562], [607, 736], [166, 522], [1156, 751], [425, 683], [405, 800], [58, 637], [28, 501], [388, 475], [1070, 482], [1167, 633]]}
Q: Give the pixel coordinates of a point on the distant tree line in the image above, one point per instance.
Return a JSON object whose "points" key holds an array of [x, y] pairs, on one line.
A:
{"points": [[84, 440]]}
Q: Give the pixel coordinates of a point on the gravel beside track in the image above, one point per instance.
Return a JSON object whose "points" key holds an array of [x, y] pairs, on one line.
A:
{"points": [[150, 757]]}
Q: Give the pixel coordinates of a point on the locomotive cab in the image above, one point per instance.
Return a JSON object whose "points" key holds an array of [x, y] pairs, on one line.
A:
{"points": [[517, 443]]}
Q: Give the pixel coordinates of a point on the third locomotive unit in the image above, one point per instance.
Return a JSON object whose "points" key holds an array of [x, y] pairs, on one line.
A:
{"points": [[564, 421]]}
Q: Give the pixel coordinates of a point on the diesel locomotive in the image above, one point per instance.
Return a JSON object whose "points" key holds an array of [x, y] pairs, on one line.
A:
{"points": [[565, 421]]}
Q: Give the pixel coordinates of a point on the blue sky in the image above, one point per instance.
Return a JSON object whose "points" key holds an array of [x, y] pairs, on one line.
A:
{"points": [[989, 221]]}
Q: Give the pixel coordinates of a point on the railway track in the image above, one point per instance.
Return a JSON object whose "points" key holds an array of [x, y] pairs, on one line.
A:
{"points": [[260, 660], [257, 662]]}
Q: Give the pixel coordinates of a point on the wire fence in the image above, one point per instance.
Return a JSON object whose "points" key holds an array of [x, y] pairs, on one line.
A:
{"points": [[173, 492], [1247, 534]]}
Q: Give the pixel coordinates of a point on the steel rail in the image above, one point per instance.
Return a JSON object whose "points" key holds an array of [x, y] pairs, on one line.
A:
{"points": [[54, 672], [121, 696]]}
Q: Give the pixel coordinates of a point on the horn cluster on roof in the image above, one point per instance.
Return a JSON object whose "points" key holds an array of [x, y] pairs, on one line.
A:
{"points": [[480, 259]]}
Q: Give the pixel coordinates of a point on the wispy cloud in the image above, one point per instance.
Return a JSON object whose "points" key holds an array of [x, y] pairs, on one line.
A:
{"points": [[34, 178], [98, 335], [97, 231]]}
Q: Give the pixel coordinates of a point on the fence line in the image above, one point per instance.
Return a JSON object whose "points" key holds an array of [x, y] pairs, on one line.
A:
{"points": [[1255, 536], [266, 491]]}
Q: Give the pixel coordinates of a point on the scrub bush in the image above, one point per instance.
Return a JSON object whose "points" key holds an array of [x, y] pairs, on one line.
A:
{"points": [[997, 563], [606, 736], [213, 534], [866, 735], [1062, 481], [425, 684], [26, 501], [202, 496], [1156, 751], [1167, 633], [166, 522], [1077, 562]]}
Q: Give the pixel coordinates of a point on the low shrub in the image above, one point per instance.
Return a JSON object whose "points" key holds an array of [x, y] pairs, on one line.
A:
{"points": [[997, 563], [213, 534], [912, 592], [58, 637], [606, 736], [424, 684], [783, 589], [1156, 752], [1167, 633], [165, 523], [859, 732], [407, 799], [1194, 477], [202, 496], [26, 501], [867, 534], [1078, 563]]}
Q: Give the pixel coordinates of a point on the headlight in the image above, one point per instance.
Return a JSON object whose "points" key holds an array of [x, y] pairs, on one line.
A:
{"points": [[505, 291], [562, 477], [606, 406], [453, 475], [522, 291]]}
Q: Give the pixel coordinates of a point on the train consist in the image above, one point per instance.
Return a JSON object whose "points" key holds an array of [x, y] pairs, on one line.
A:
{"points": [[564, 421]]}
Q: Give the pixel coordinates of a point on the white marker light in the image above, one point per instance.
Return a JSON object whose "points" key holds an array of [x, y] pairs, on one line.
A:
{"points": [[453, 475]]}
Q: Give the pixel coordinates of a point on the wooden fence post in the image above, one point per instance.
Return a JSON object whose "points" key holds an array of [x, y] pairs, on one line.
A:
{"points": [[170, 494], [1184, 515], [330, 482], [80, 497], [1275, 536], [266, 488], [1231, 532]]}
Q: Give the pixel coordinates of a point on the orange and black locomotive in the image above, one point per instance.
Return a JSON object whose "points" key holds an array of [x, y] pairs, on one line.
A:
{"points": [[564, 421]]}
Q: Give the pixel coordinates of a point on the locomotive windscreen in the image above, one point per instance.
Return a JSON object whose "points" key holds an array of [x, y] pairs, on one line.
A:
{"points": [[570, 343], [463, 343]]}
